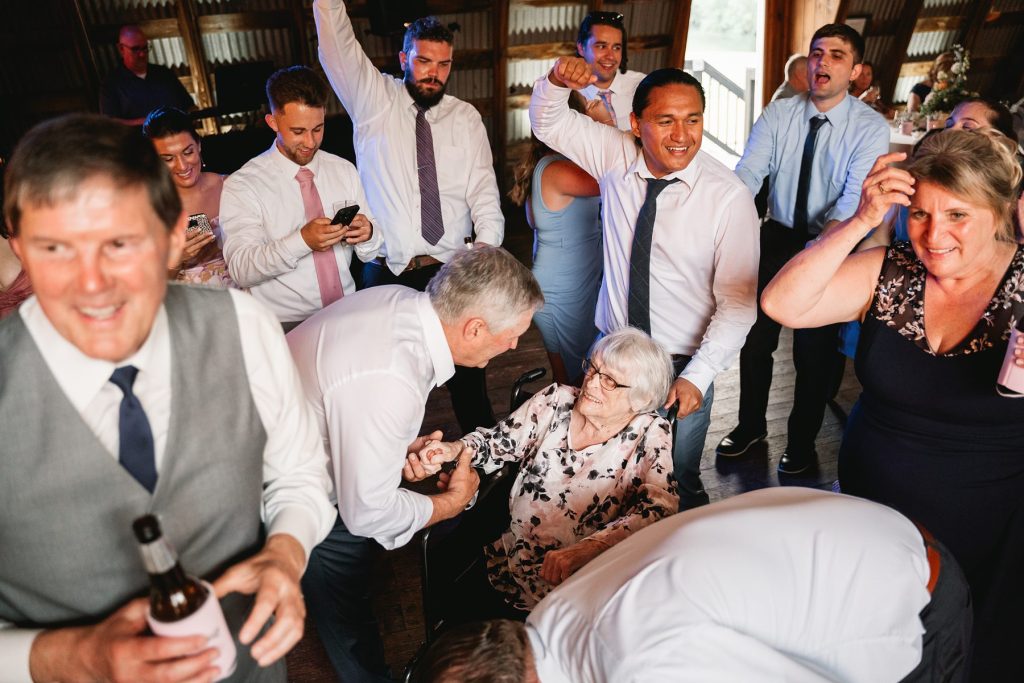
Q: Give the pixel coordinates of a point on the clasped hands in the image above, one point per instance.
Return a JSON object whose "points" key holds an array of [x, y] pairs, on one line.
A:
{"points": [[320, 235]]}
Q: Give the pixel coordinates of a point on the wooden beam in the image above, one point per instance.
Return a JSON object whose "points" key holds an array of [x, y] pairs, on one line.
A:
{"points": [[499, 123], [463, 59], [776, 44], [559, 49], [86, 56], [971, 26], [244, 21], [188, 27], [300, 34], [888, 71], [680, 30]]}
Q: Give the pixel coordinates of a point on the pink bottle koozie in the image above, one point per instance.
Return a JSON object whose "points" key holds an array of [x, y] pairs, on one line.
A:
{"points": [[208, 621], [1011, 377]]}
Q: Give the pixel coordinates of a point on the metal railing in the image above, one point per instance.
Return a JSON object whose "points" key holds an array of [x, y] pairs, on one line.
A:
{"points": [[729, 114]]}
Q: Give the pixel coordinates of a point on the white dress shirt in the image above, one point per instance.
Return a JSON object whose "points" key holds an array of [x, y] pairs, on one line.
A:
{"points": [[781, 584], [261, 213], [622, 89], [296, 486], [384, 117], [705, 247], [367, 364]]}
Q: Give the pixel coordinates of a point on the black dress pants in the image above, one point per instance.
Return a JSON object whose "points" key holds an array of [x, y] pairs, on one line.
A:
{"points": [[468, 387], [816, 355]]}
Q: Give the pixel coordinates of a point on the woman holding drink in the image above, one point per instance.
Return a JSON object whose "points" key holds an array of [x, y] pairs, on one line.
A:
{"points": [[933, 435]]}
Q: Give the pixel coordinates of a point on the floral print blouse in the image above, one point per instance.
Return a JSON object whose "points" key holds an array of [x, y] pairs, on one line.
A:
{"points": [[562, 495], [899, 302]]}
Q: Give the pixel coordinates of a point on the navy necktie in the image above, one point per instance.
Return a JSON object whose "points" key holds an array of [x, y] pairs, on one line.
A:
{"points": [[639, 300], [432, 225], [135, 452], [803, 184]]}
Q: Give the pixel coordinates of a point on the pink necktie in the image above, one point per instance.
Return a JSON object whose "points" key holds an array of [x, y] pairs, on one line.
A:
{"points": [[325, 262], [606, 97]]}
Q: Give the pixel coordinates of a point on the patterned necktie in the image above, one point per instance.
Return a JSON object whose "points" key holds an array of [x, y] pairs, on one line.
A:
{"points": [[606, 97], [325, 262], [639, 300], [135, 449], [432, 225], [803, 184]]}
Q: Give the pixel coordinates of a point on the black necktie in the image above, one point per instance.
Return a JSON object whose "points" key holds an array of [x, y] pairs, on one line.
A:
{"points": [[639, 303], [432, 225], [135, 451], [803, 184]]}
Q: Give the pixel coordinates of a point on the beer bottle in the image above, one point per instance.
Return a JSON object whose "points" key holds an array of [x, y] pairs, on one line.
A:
{"points": [[179, 604]]}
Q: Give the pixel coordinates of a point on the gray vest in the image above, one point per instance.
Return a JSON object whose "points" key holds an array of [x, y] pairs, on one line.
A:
{"points": [[67, 552]]}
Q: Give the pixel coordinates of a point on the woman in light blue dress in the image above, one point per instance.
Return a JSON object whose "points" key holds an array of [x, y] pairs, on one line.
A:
{"points": [[563, 208]]}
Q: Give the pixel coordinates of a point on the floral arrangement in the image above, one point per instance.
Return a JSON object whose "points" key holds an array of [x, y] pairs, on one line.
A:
{"points": [[950, 87]]}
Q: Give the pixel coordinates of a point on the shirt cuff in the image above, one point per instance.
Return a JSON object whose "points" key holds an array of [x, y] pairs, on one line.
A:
{"points": [[295, 245], [699, 374], [296, 522], [15, 649]]}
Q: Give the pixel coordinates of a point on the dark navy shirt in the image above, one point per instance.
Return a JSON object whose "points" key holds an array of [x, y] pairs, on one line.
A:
{"points": [[126, 96]]}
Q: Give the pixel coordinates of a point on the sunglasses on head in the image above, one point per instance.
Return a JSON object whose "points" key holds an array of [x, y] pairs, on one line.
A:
{"points": [[602, 17]]}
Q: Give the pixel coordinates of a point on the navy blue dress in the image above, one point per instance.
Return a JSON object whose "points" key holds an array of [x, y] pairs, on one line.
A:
{"points": [[931, 437]]}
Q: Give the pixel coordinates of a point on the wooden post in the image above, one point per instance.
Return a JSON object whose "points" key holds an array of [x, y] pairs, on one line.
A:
{"points": [[776, 44], [188, 27], [680, 29], [888, 72], [499, 110]]}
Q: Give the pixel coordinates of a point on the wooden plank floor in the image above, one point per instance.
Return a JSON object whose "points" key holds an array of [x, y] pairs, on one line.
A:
{"points": [[397, 587]]}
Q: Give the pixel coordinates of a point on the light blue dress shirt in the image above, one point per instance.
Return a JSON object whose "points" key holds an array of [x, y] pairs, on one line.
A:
{"points": [[846, 149]]}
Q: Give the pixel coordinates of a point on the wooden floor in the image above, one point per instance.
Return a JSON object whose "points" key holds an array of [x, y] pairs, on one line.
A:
{"points": [[397, 590]]}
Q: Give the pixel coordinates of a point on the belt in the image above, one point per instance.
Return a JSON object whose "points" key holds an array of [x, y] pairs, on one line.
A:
{"points": [[934, 562], [415, 263]]}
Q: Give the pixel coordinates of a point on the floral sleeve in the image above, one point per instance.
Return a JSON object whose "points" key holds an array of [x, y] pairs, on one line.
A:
{"points": [[650, 491], [515, 436]]}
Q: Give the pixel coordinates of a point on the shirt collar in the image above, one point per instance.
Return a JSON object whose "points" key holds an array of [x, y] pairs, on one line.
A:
{"points": [[80, 376], [409, 103], [288, 167], [836, 115], [688, 175], [437, 344]]}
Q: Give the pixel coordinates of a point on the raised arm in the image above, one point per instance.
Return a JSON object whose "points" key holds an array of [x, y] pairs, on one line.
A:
{"points": [[826, 284], [360, 86], [590, 145]]}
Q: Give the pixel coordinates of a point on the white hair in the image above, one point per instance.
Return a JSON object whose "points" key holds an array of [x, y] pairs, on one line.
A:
{"points": [[640, 362]]}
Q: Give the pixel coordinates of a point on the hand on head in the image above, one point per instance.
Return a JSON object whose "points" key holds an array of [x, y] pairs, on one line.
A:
{"points": [[572, 72], [884, 186]]}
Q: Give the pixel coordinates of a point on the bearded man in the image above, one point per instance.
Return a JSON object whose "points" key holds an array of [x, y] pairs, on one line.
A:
{"points": [[424, 160]]}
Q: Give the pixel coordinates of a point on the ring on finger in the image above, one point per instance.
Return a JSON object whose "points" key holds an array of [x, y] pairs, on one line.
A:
{"points": [[881, 187]]}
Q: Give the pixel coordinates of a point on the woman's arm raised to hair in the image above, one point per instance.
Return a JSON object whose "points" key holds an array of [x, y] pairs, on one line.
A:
{"points": [[824, 283]]}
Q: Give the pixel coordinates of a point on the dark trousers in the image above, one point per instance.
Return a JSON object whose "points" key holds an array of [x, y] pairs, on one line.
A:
{"points": [[336, 586], [816, 355], [468, 388], [947, 621]]}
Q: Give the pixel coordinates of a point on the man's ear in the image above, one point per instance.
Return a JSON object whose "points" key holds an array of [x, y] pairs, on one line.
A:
{"points": [[855, 73], [271, 121], [634, 124], [473, 328], [403, 59]]}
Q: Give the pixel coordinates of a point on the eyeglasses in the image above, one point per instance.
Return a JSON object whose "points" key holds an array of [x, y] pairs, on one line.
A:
{"points": [[607, 382], [602, 17], [137, 49]]}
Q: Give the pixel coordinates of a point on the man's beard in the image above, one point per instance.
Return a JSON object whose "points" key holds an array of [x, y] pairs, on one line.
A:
{"points": [[424, 99]]}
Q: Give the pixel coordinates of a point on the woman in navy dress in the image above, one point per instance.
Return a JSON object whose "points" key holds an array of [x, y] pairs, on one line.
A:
{"points": [[931, 435]]}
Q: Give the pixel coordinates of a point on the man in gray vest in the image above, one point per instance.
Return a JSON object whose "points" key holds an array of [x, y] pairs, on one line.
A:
{"points": [[121, 396]]}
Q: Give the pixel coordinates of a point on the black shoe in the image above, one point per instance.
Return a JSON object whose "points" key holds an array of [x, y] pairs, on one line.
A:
{"points": [[738, 442], [797, 461]]}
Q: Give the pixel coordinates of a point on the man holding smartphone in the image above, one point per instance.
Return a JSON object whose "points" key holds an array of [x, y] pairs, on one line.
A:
{"points": [[278, 240]]}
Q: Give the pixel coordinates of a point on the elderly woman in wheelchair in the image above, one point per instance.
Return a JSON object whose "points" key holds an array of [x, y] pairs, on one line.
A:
{"points": [[595, 465]]}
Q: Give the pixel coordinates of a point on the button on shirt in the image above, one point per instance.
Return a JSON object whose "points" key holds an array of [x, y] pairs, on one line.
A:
{"points": [[261, 213], [369, 392], [765, 586], [622, 88], [296, 484], [704, 253], [384, 117], [846, 149]]}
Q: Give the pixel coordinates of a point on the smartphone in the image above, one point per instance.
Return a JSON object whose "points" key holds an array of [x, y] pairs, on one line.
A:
{"points": [[345, 215], [198, 222]]}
